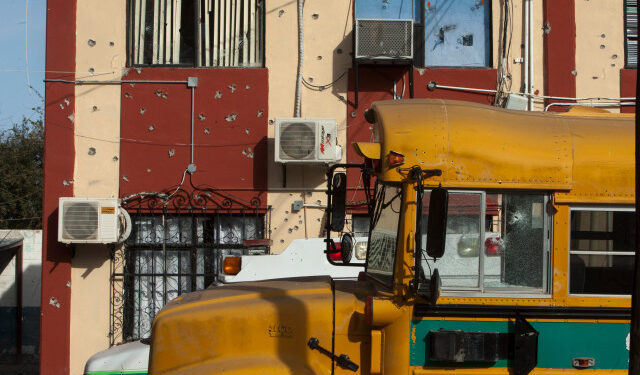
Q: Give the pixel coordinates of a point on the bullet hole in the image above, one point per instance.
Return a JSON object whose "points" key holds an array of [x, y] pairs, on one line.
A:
{"points": [[613, 65], [574, 72], [319, 57], [246, 131], [92, 151], [341, 98], [127, 95], [339, 51], [125, 179], [299, 221], [142, 111], [281, 241], [318, 202], [270, 122], [281, 13], [202, 117], [614, 56], [67, 182], [67, 101], [286, 212], [151, 128], [148, 170], [91, 70], [247, 87], [318, 220], [91, 42], [207, 131], [165, 95], [172, 152], [353, 114], [290, 230], [61, 106], [310, 79], [603, 36], [158, 93], [68, 284], [115, 158], [132, 84], [53, 301], [218, 95], [260, 113], [602, 46], [139, 70], [232, 87], [71, 117], [594, 77], [315, 16], [231, 117], [95, 108], [547, 27], [111, 44], [286, 219], [295, 227]]}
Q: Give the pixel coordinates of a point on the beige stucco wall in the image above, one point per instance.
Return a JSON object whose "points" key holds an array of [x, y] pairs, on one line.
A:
{"points": [[327, 45], [599, 48], [97, 128]]}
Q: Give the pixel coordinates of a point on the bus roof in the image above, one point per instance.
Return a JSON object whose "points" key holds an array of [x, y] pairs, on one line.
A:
{"points": [[585, 156]]}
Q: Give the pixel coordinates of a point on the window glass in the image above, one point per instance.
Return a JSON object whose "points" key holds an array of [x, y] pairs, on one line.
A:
{"points": [[457, 33], [382, 243], [360, 225], [494, 241], [631, 33], [164, 32], [601, 252]]}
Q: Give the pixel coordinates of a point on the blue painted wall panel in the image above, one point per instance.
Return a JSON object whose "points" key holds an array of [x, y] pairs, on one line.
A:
{"points": [[386, 9], [458, 33]]}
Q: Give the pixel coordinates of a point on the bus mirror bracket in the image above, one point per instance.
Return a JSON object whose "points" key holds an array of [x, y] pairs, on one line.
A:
{"points": [[336, 213]]}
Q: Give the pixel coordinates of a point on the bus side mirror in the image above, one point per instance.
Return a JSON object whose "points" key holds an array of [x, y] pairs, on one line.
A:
{"points": [[338, 201], [437, 224]]}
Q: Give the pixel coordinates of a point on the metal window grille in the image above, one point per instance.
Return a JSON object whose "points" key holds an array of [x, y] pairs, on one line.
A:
{"points": [[222, 33], [631, 33], [176, 247]]}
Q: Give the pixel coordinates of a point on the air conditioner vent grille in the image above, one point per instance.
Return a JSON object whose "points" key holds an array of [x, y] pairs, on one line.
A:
{"points": [[384, 38], [297, 141], [81, 220]]}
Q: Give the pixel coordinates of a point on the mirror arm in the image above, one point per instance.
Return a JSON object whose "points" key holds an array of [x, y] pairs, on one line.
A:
{"points": [[331, 247]]}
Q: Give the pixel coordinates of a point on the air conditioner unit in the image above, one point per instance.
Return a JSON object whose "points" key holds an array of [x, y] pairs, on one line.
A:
{"points": [[383, 39], [92, 220], [306, 140]]}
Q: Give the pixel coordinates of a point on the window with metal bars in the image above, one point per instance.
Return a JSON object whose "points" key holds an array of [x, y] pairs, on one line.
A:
{"points": [[167, 255], [631, 33], [200, 33]]}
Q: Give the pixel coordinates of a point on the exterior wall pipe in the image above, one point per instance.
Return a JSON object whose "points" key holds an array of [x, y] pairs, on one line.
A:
{"points": [[531, 58], [527, 57], [300, 57], [616, 104]]}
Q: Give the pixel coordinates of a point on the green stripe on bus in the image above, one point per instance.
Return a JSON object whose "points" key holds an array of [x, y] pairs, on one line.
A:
{"points": [[558, 342]]}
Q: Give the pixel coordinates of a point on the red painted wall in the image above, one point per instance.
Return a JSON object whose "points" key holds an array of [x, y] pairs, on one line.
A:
{"points": [[230, 131], [58, 177], [628, 87], [376, 83], [560, 49]]}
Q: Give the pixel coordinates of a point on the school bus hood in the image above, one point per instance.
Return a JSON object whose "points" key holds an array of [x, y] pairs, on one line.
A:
{"points": [[256, 327]]}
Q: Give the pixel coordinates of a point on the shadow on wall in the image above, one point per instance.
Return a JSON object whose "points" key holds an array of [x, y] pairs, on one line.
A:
{"points": [[10, 363]]}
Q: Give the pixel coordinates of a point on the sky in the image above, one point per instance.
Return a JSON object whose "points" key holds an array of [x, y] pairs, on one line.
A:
{"points": [[16, 99]]}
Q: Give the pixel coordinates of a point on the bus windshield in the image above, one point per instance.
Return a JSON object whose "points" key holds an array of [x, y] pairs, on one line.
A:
{"points": [[384, 233]]}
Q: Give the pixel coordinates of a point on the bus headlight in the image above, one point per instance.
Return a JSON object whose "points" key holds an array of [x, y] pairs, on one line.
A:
{"points": [[361, 250]]}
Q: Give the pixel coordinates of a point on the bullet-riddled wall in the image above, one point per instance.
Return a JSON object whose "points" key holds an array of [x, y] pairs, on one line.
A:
{"points": [[115, 140]]}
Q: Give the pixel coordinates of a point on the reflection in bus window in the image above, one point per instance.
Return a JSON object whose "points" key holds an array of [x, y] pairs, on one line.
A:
{"points": [[509, 251], [384, 232], [601, 252]]}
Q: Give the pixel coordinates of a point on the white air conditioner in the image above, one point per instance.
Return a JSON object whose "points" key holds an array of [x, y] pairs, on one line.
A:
{"points": [[306, 140], [92, 220], [383, 39]]}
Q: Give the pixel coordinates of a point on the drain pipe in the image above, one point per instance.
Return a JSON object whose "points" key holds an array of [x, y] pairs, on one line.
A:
{"points": [[300, 57], [527, 57]]}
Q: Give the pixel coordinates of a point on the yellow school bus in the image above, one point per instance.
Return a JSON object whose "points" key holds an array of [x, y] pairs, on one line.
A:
{"points": [[500, 242]]}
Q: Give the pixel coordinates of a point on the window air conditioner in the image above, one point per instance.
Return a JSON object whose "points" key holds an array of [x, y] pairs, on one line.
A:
{"points": [[306, 140], [92, 220], [383, 39]]}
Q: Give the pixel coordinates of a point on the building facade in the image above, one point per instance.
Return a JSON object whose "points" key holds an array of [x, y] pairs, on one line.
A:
{"points": [[171, 106]]}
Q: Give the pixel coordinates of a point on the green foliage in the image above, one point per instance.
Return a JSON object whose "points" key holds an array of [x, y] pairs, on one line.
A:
{"points": [[21, 173]]}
